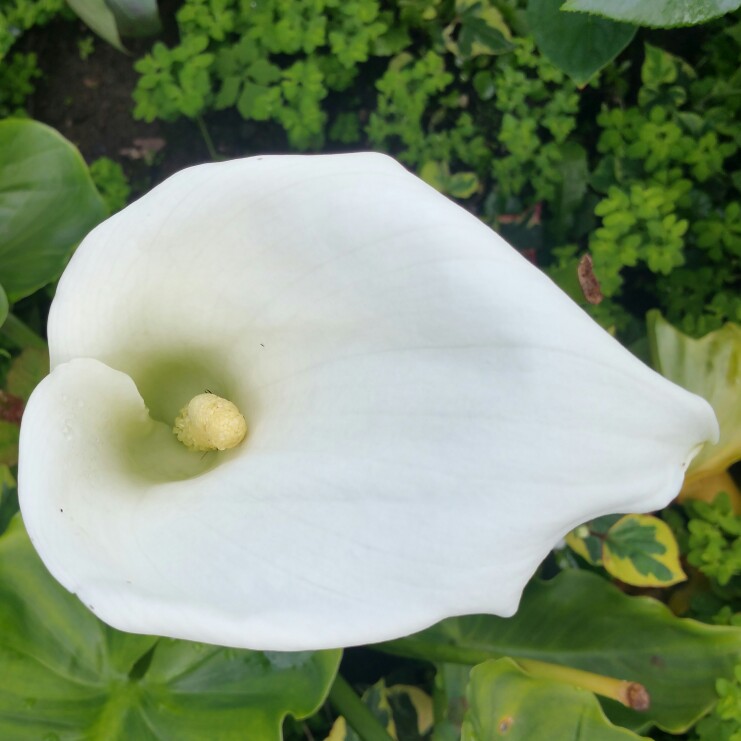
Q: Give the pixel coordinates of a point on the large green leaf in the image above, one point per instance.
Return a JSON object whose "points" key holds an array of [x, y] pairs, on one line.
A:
{"points": [[47, 204], [577, 43], [505, 702], [67, 676], [580, 620], [658, 13], [710, 367]]}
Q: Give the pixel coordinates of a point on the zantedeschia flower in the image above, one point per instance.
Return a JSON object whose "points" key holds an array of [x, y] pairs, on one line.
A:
{"points": [[426, 413]]}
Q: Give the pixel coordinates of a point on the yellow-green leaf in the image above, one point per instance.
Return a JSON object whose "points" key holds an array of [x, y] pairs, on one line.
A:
{"points": [[641, 550], [478, 29], [420, 701], [578, 541], [338, 732], [711, 367], [505, 702], [459, 184], [588, 540], [400, 709]]}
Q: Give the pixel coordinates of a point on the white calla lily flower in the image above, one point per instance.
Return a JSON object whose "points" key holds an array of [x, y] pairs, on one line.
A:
{"points": [[426, 413]]}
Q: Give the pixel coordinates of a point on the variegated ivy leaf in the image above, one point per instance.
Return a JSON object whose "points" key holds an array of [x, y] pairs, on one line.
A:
{"points": [[636, 549]]}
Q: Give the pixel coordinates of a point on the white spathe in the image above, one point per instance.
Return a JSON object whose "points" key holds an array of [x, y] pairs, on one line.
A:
{"points": [[428, 414]]}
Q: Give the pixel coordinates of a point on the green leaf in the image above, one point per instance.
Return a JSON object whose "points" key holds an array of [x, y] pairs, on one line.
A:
{"points": [[451, 683], [9, 434], [136, 17], [637, 549], [458, 185], [659, 67], [97, 16], [478, 37], [710, 367], [574, 170], [642, 550], [404, 711], [482, 31], [229, 92], [506, 702], [579, 44], [111, 19], [26, 372], [463, 184], [656, 13], [4, 306], [68, 675], [47, 204], [264, 73], [8, 497], [258, 101], [245, 694], [588, 540], [434, 174], [579, 620]]}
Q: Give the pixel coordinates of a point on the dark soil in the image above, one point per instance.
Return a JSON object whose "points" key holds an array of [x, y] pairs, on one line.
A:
{"points": [[89, 102]]}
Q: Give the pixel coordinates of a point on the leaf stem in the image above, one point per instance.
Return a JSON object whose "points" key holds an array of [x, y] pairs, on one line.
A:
{"points": [[631, 694], [348, 704], [20, 334], [208, 141]]}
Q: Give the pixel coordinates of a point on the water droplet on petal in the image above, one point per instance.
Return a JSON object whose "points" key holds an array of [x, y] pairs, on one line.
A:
{"points": [[67, 431]]}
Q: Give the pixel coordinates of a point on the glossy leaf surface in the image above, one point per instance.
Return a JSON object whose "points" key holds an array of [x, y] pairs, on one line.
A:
{"points": [[577, 43], [580, 620], [658, 13], [47, 204], [505, 702], [66, 673]]}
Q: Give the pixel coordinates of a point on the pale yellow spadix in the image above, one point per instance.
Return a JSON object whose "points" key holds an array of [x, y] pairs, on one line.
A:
{"points": [[209, 422]]}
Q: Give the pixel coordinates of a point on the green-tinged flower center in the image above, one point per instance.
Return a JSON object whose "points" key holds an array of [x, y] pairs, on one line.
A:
{"points": [[209, 422]]}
